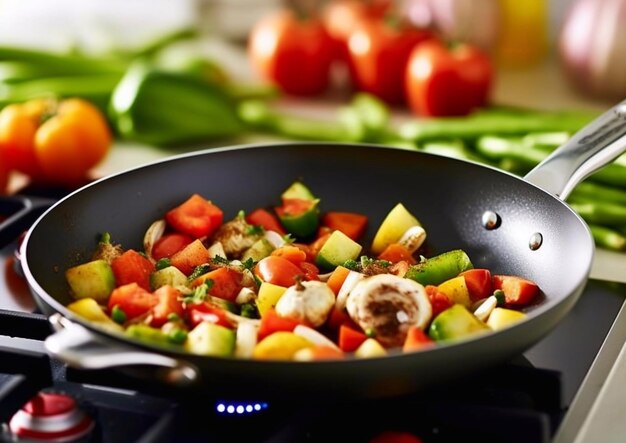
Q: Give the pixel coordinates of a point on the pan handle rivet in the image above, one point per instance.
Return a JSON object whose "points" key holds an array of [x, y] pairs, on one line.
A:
{"points": [[620, 110], [535, 241], [491, 220]]}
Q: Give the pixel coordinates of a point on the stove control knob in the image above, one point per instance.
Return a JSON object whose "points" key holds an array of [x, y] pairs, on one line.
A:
{"points": [[51, 417]]}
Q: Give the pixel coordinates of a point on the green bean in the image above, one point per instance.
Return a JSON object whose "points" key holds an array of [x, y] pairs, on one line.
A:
{"points": [[600, 212], [607, 237]]}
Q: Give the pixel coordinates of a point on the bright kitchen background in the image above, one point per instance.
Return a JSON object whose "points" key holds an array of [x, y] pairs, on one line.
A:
{"points": [[535, 81]]}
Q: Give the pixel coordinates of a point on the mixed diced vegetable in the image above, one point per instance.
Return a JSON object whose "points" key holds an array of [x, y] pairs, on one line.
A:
{"points": [[291, 282]]}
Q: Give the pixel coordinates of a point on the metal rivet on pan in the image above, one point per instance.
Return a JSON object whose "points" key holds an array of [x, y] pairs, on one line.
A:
{"points": [[620, 110], [490, 220], [535, 241]]}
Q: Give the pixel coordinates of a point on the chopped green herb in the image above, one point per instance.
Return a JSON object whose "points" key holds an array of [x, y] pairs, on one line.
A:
{"points": [[249, 310], [499, 295], [248, 263], [370, 332], [219, 260], [198, 271], [174, 317], [118, 315], [199, 294], [351, 264], [163, 263], [288, 239], [105, 238], [255, 230]]}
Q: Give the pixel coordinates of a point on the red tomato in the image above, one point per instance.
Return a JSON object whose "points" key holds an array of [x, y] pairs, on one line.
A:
{"points": [[132, 299], [278, 270], [272, 322], [350, 339], [416, 339], [397, 252], [340, 17], [132, 267], [168, 302], [442, 81], [517, 290], [379, 53], [293, 53], [196, 216], [170, 244]]}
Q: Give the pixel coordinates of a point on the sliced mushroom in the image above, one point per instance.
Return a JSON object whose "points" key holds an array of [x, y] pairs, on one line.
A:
{"points": [[387, 305], [309, 301]]}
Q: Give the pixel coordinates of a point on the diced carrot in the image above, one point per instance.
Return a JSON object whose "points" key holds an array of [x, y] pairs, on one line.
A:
{"points": [[321, 352], [518, 291], [350, 339], [226, 282], [337, 277], [350, 223], [416, 339], [132, 267], [272, 322], [192, 255], [292, 253], [396, 252]]}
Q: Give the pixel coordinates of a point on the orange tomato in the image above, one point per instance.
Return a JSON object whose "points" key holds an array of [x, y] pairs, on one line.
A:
{"points": [[52, 141]]}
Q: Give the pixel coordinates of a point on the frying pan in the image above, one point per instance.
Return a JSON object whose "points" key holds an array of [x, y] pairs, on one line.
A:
{"points": [[505, 223]]}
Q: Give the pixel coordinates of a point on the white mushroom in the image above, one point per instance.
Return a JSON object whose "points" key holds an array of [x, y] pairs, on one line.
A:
{"points": [[388, 305], [308, 301]]}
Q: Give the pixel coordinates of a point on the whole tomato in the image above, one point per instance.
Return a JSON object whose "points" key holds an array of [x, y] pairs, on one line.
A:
{"points": [[447, 80], [340, 17], [54, 141], [292, 52], [378, 52]]}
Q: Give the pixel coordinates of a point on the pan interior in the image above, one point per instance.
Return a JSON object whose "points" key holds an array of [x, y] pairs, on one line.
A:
{"points": [[448, 196]]}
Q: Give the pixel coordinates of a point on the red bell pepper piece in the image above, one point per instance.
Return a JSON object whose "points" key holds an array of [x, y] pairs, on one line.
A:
{"points": [[438, 300], [350, 339], [265, 218], [396, 252], [416, 339], [518, 291], [197, 217], [170, 244], [199, 312], [350, 223], [132, 267], [226, 282], [132, 299], [168, 303], [478, 282], [192, 255]]}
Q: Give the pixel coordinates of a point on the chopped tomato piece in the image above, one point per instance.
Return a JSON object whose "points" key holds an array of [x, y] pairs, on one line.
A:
{"points": [[350, 339], [197, 217], [226, 282], [416, 339], [192, 255], [272, 322], [396, 252], [517, 290], [266, 219], [311, 272], [321, 352], [132, 299], [438, 300], [478, 282], [278, 271], [132, 267], [350, 223], [168, 303], [197, 313], [170, 244]]}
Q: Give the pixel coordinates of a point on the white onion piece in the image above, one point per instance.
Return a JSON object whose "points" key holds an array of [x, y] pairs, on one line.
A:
{"points": [[245, 340], [275, 239], [348, 284], [152, 235], [592, 47]]}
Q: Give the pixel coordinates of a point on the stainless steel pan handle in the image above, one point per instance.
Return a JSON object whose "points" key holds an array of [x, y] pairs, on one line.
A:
{"points": [[78, 347], [591, 148]]}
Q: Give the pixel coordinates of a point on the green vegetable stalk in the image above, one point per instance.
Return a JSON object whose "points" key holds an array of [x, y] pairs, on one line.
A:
{"points": [[437, 269]]}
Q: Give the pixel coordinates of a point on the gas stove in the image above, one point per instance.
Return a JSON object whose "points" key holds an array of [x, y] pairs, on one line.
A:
{"points": [[529, 399]]}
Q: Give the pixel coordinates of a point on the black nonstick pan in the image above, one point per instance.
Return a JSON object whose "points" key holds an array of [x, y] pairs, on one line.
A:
{"points": [[504, 223]]}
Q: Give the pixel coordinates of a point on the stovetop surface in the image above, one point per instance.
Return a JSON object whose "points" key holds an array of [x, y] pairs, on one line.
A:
{"points": [[523, 400]]}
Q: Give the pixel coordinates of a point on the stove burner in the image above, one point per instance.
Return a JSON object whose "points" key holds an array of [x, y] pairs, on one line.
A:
{"points": [[51, 417]]}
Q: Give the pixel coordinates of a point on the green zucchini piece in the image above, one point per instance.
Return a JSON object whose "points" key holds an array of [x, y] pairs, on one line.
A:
{"points": [[337, 250], [298, 190], [170, 275], [211, 339], [259, 249], [454, 323], [94, 279]]}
